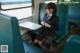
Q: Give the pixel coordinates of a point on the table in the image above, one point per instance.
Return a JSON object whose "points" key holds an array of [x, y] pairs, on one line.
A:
{"points": [[30, 25]]}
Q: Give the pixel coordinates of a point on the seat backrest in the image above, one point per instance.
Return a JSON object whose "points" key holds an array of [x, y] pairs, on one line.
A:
{"points": [[62, 11], [10, 34], [74, 12], [41, 12]]}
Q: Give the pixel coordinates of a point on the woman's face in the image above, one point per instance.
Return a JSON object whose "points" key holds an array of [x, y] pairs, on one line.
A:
{"points": [[49, 11]]}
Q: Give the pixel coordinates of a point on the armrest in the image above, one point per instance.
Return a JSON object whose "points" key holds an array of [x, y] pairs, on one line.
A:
{"points": [[59, 37]]}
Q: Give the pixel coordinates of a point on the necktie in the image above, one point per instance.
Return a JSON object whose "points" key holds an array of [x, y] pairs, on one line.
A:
{"points": [[45, 18]]}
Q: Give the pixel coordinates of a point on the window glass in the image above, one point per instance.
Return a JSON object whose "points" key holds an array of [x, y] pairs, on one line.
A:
{"points": [[18, 8]]}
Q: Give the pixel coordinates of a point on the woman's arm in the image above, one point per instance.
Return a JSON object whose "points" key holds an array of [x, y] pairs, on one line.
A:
{"points": [[47, 25]]}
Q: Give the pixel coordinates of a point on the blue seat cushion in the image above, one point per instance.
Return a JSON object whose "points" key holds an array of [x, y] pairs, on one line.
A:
{"points": [[72, 45], [30, 48]]}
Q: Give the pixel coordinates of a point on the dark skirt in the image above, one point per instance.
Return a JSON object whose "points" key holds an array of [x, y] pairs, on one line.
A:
{"points": [[47, 37]]}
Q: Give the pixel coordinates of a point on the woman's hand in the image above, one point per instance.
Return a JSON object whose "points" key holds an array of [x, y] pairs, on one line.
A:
{"points": [[47, 25], [43, 23]]}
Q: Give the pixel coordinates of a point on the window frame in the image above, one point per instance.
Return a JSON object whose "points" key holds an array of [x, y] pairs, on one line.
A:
{"points": [[31, 6]]}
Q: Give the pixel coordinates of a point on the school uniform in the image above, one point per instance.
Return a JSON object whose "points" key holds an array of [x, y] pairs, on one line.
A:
{"points": [[49, 33], [53, 21]]}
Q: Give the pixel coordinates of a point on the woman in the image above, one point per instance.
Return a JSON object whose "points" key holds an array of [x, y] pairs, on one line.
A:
{"points": [[50, 24]]}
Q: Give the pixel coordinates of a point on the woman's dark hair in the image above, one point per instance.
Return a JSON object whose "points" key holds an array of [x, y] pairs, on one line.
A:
{"points": [[52, 6]]}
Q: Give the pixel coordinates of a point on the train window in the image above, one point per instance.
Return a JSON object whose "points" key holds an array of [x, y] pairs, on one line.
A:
{"points": [[54, 1], [67, 0], [18, 8]]}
